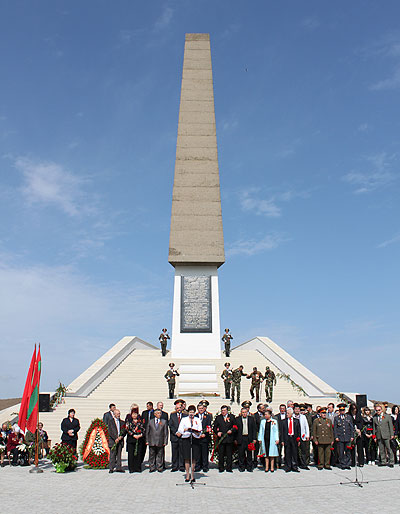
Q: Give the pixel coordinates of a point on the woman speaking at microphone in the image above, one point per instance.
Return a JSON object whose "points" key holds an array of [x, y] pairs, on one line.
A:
{"points": [[190, 430]]}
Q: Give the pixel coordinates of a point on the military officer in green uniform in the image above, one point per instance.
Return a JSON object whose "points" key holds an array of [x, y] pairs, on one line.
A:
{"points": [[226, 338], [164, 340], [256, 379], [322, 432], [170, 376], [270, 382], [227, 378], [237, 375]]}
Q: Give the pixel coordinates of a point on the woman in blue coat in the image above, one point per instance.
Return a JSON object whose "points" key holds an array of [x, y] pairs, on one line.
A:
{"points": [[268, 437]]}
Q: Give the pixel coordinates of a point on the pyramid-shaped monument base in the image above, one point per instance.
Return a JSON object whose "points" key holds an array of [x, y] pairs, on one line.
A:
{"points": [[132, 371]]}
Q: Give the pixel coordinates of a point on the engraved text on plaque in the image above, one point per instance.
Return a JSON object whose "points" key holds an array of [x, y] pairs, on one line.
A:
{"points": [[196, 304]]}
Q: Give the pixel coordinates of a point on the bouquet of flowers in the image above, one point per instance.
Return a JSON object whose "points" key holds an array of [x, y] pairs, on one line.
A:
{"points": [[2, 448], [63, 457]]}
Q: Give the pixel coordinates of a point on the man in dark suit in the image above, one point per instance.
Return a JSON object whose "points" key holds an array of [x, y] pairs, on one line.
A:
{"points": [[205, 438], [224, 428], [109, 414], [115, 426], [176, 443], [148, 414], [70, 427], [246, 434], [291, 440], [164, 415], [157, 439]]}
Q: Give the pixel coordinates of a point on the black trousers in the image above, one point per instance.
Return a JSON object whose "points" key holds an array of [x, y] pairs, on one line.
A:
{"points": [[177, 455], [344, 454], [334, 454], [171, 390], [163, 349], [302, 453], [358, 448], [202, 462], [135, 461], [370, 449], [291, 453], [225, 450], [245, 455]]}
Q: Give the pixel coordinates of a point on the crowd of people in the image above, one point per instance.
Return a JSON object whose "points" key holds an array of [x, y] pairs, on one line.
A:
{"points": [[15, 446], [292, 440]]}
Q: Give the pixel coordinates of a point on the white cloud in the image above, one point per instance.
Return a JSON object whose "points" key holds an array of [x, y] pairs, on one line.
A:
{"points": [[70, 316], [251, 247], [392, 82], [310, 23], [377, 178], [392, 240], [165, 19], [48, 183], [266, 207]]}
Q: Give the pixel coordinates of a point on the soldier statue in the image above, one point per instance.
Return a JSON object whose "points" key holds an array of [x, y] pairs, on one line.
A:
{"points": [[164, 340], [227, 378], [170, 376], [237, 375], [256, 379], [226, 338], [270, 382]]}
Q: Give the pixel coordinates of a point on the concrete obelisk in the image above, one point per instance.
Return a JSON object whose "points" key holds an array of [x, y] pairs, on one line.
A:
{"points": [[196, 247]]}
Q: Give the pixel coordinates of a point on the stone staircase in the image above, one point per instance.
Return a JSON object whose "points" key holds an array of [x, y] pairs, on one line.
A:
{"points": [[140, 378]]}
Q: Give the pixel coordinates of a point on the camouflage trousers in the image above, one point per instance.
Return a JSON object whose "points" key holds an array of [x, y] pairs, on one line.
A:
{"points": [[235, 387], [227, 385], [269, 390], [256, 388]]}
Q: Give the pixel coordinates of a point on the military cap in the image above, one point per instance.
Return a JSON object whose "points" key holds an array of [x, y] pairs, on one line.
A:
{"points": [[266, 367], [206, 403], [171, 364], [302, 406], [246, 404], [308, 405], [178, 401], [296, 405], [164, 329], [342, 406], [322, 410], [227, 364]]}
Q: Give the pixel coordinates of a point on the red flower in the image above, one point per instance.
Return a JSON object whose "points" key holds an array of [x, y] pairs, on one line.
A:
{"points": [[297, 439], [235, 427]]}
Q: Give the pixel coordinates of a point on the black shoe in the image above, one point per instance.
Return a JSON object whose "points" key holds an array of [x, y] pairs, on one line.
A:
{"points": [[182, 470], [381, 465], [305, 467], [391, 466], [241, 470], [205, 470], [266, 470], [328, 467], [229, 471], [221, 470], [174, 469], [130, 472], [151, 470], [296, 470], [197, 470], [288, 470], [320, 469], [250, 470], [111, 471], [193, 480], [272, 470], [187, 479], [120, 470]]}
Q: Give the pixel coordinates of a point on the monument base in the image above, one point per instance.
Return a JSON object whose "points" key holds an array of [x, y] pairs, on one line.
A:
{"points": [[195, 322]]}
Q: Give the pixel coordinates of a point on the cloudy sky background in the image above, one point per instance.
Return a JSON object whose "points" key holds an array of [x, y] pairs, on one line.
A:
{"points": [[308, 122]]}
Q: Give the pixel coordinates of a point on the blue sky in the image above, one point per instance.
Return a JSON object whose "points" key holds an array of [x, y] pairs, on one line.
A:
{"points": [[308, 122]]}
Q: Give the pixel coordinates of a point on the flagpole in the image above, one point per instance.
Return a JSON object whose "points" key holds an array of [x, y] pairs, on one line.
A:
{"points": [[36, 468]]}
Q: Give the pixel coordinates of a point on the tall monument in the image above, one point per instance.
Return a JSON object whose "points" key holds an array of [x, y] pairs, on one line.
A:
{"points": [[196, 248]]}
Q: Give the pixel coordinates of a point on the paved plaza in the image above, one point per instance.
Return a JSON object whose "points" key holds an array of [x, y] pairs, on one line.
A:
{"points": [[96, 490]]}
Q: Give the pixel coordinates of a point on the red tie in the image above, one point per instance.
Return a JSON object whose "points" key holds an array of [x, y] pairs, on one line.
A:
{"points": [[290, 426]]}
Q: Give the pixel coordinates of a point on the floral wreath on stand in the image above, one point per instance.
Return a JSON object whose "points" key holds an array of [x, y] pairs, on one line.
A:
{"points": [[94, 449]]}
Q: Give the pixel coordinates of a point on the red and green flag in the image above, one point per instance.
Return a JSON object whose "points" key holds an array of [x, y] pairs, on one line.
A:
{"points": [[33, 405], [25, 397]]}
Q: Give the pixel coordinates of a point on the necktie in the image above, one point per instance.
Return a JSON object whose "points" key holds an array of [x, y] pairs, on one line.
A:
{"points": [[290, 426], [157, 421]]}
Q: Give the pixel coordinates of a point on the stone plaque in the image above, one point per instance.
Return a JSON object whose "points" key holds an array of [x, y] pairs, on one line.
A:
{"points": [[196, 304]]}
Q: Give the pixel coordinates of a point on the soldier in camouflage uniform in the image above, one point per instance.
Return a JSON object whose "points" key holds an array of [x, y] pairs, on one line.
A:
{"points": [[256, 379], [164, 340], [227, 378], [170, 376], [270, 382], [237, 375], [226, 338]]}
